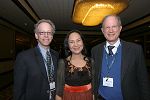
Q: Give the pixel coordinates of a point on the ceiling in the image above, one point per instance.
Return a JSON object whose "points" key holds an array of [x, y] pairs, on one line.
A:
{"points": [[23, 14]]}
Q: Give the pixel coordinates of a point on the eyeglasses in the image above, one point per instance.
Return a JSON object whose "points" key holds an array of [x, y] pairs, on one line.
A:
{"points": [[45, 33], [113, 27]]}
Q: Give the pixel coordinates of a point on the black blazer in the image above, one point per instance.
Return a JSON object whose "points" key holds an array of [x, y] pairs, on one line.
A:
{"points": [[134, 76], [30, 77]]}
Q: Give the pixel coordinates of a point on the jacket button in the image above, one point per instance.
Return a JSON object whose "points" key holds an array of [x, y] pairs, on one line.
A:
{"points": [[47, 91]]}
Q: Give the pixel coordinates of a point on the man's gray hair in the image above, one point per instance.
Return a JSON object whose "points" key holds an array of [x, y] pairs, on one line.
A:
{"points": [[117, 17], [46, 21]]}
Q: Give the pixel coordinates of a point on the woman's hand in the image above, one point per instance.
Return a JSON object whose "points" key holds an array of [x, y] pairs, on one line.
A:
{"points": [[58, 97]]}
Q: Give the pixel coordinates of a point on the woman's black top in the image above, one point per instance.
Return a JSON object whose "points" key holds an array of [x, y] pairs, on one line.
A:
{"points": [[77, 76], [72, 75]]}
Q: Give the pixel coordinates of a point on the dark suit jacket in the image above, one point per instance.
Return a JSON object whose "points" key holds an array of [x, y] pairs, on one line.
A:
{"points": [[134, 76], [30, 77]]}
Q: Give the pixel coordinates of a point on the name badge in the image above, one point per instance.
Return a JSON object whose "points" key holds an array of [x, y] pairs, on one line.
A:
{"points": [[52, 85], [107, 81]]}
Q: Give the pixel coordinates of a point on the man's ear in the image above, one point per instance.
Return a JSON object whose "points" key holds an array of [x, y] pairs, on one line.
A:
{"points": [[120, 28], [36, 36], [102, 30]]}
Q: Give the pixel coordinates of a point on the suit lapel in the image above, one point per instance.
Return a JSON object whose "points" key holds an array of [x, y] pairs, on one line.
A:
{"points": [[54, 61], [124, 59], [100, 53], [54, 58], [40, 62], [98, 60]]}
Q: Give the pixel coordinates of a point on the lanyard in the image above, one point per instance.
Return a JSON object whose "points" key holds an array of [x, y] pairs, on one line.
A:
{"points": [[50, 70], [109, 65], [52, 66], [45, 61]]}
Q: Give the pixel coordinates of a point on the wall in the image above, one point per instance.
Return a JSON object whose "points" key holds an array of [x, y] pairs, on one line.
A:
{"points": [[7, 53]]}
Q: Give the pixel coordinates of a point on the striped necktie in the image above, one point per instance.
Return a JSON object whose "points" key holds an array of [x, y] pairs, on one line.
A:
{"points": [[110, 49]]}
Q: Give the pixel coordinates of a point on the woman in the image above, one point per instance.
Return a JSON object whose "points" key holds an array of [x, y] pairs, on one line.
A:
{"points": [[74, 75]]}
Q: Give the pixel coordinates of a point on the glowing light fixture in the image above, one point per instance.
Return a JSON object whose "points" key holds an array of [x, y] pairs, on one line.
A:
{"points": [[91, 12]]}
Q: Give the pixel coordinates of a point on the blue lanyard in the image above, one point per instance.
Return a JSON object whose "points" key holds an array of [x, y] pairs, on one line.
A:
{"points": [[109, 65]]}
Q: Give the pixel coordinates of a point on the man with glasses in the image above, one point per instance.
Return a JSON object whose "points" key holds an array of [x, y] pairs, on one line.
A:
{"points": [[120, 71], [35, 69]]}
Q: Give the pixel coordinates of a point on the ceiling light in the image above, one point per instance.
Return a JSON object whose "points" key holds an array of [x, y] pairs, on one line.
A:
{"points": [[92, 12]]}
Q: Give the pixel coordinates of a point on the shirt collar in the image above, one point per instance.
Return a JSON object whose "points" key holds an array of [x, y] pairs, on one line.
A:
{"points": [[114, 50], [43, 51], [116, 44]]}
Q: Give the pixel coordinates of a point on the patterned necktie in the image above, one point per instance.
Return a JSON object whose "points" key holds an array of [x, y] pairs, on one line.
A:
{"points": [[110, 49], [50, 67]]}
